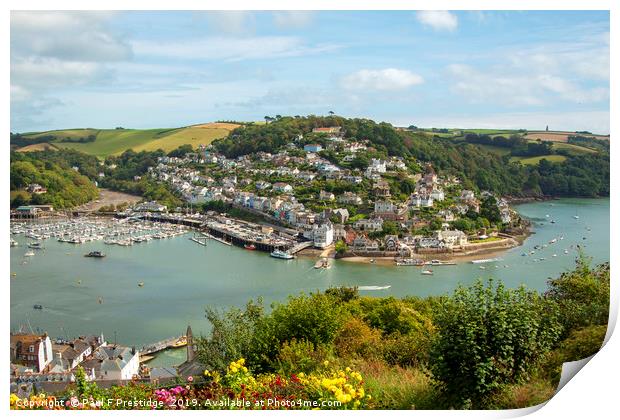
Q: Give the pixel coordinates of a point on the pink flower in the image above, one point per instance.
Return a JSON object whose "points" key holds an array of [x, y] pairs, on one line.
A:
{"points": [[190, 378]]}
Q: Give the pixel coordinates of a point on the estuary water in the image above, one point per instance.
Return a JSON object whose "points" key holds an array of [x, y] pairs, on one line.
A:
{"points": [[181, 278]]}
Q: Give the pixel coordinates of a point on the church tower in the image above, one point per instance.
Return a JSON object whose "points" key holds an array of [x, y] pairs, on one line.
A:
{"points": [[190, 344]]}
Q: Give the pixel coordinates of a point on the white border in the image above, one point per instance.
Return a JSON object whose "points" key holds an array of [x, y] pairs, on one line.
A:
{"points": [[591, 394]]}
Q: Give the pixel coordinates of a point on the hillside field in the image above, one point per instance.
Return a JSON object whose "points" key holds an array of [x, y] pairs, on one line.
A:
{"points": [[115, 141]]}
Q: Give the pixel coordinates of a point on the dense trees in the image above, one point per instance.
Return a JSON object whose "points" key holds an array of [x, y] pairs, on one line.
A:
{"points": [[582, 175], [65, 186]]}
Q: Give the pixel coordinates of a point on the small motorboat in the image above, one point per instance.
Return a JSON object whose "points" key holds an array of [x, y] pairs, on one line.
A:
{"points": [[38, 307], [250, 247], [575, 217], [427, 272], [95, 254], [29, 254], [372, 261], [35, 245], [141, 284]]}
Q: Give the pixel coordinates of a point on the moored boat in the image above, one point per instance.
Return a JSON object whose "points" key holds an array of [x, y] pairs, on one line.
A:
{"points": [[250, 247], [427, 272], [277, 253]]}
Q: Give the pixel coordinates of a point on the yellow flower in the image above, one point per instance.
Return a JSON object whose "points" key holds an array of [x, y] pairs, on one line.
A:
{"points": [[326, 363], [233, 369], [348, 369]]}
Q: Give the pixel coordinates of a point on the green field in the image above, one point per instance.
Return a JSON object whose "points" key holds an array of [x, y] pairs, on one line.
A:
{"points": [[191, 135], [115, 141], [535, 159], [573, 148], [495, 149]]}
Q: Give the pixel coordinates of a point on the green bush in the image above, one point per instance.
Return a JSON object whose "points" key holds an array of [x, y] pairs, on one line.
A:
{"points": [[315, 318], [582, 295], [231, 335], [300, 356], [488, 336], [580, 344], [357, 339]]}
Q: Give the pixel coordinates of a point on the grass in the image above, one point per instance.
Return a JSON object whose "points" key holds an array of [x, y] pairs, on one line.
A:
{"points": [[574, 148], [397, 388], [37, 147], [190, 135], [495, 149], [535, 159], [112, 142], [489, 239]]}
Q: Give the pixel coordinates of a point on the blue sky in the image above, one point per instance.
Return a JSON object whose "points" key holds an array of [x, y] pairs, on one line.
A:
{"points": [[440, 69]]}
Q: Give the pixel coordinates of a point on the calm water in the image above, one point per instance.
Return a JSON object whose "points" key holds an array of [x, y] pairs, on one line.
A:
{"points": [[181, 278]]}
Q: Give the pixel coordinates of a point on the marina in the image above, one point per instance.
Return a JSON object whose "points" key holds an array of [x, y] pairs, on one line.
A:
{"points": [[180, 278]]}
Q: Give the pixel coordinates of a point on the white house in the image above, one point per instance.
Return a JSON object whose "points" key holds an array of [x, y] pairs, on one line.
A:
{"points": [[282, 187], [323, 235], [452, 238], [117, 362]]}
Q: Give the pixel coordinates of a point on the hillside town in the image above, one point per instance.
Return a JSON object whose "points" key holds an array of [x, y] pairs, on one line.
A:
{"points": [[328, 202]]}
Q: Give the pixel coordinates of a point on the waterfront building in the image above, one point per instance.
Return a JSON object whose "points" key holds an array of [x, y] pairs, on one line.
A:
{"points": [[152, 206], [452, 238], [323, 235]]}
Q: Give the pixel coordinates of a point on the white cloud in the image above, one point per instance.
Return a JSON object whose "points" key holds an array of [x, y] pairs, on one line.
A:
{"points": [[380, 80], [293, 18], [518, 87], [75, 36], [438, 20], [232, 49]]}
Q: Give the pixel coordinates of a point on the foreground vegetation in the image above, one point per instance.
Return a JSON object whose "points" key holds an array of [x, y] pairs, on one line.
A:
{"points": [[483, 346]]}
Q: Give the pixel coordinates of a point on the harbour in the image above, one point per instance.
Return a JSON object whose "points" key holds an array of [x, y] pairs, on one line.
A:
{"points": [[180, 278]]}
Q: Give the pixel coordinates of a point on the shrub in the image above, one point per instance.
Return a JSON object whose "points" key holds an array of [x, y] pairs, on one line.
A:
{"points": [[582, 295], [356, 338], [300, 356], [391, 315], [315, 318], [231, 335], [410, 349], [580, 344], [487, 337]]}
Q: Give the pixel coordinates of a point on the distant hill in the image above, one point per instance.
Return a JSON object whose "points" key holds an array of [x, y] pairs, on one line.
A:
{"points": [[106, 142]]}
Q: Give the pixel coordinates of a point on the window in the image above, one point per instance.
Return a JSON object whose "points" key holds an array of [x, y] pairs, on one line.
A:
{"points": [[31, 349]]}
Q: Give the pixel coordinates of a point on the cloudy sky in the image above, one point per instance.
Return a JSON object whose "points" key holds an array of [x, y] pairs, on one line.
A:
{"points": [[441, 69]]}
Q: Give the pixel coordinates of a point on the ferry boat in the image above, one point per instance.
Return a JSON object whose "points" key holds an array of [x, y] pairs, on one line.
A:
{"points": [[486, 260], [277, 253], [322, 263], [181, 342], [250, 247], [374, 287], [95, 254], [427, 272]]}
